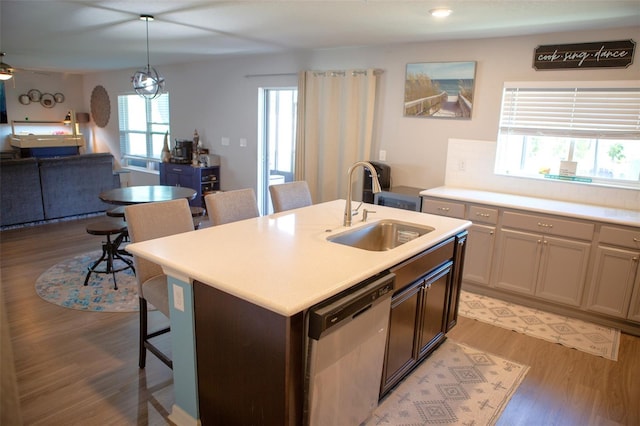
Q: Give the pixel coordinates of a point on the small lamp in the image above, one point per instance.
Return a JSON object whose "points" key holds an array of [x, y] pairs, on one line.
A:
{"points": [[6, 70]]}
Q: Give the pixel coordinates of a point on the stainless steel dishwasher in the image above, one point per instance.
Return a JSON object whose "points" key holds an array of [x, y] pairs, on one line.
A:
{"points": [[345, 352]]}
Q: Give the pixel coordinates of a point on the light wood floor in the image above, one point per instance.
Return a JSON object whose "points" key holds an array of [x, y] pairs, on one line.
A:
{"points": [[80, 368]]}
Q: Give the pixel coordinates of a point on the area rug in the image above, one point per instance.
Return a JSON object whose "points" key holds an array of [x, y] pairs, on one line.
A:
{"points": [[62, 284], [456, 385], [573, 333]]}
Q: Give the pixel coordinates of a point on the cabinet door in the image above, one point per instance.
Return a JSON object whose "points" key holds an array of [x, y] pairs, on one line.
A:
{"points": [[518, 259], [399, 357], [563, 270], [634, 307], [453, 297], [433, 316], [612, 283], [480, 246]]}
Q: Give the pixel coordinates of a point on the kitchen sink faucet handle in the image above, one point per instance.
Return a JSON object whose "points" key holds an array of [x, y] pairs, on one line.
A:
{"points": [[365, 214]]}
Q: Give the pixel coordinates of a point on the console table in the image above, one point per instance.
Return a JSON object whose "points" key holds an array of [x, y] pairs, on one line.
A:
{"points": [[200, 179]]}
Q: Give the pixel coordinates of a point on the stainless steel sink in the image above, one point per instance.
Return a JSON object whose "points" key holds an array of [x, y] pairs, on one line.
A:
{"points": [[384, 235]]}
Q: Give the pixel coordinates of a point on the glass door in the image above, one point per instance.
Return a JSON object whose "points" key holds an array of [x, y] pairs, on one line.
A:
{"points": [[276, 156]]}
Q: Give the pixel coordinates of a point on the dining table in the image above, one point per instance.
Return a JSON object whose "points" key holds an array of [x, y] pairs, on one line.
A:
{"points": [[146, 194]]}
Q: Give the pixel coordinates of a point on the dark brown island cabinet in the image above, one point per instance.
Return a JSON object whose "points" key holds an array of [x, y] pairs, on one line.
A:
{"points": [[251, 361]]}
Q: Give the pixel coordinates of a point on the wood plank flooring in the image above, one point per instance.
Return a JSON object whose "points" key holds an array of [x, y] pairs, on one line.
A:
{"points": [[80, 368]]}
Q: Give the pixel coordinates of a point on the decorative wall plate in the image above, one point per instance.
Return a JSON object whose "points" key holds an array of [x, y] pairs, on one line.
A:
{"points": [[100, 106], [24, 99], [59, 97], [47, 100], [34, 95]]}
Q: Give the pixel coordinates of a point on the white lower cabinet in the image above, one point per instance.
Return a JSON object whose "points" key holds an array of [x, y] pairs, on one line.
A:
{"points": [[540, 257], [479, 256], [615, 274]]}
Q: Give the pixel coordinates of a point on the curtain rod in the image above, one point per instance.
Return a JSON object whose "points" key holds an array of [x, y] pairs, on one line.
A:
{"points": [[334, 73], [271, 75]]}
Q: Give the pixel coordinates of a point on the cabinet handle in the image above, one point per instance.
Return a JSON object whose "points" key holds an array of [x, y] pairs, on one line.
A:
{"points": [[636, 240], [539, 241], [545, 225], [635, 259], [177, 170], [490, 232], [444, 209], [483, 214]]}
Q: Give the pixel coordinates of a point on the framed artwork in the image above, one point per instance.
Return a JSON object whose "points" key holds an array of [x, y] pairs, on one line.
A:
{"points": [[3, 105], [439, 89]]}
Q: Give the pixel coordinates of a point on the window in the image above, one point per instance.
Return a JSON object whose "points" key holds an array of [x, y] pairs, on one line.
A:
{"points": [[143, 123], [586, 133]]}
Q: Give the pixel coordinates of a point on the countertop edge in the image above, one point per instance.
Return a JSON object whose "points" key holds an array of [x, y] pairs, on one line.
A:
{"points": [[593, 212]]}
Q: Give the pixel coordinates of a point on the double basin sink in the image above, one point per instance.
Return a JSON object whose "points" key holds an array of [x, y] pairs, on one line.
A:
{"points": [[386, 234]]}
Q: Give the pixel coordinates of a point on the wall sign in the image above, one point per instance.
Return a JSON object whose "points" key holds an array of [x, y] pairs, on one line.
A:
{"points": [[603, 54]]}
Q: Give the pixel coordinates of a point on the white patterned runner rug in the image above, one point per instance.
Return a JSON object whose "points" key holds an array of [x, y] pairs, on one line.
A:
{"points": [[455, 385], [573, 333]]}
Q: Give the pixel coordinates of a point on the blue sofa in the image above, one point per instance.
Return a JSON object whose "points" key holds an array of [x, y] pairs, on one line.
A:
{"points": [[50, 188]]}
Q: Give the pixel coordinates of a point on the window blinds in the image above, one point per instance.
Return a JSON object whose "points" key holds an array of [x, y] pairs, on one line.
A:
{"points": [[585, 112]]}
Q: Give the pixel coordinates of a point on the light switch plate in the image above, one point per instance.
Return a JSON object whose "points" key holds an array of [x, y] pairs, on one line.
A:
{"points": [[178, 297], [243, 142], [225, 141]]}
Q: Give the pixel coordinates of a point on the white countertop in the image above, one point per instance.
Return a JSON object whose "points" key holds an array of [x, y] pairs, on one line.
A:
{"points": [[283, 262], [540, 205]]}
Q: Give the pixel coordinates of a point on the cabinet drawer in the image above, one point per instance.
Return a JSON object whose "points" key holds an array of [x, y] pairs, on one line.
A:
{"points": [[548, 225], [423, 263], [620, 237], [443, 208], [483, 214], [180, 169]]}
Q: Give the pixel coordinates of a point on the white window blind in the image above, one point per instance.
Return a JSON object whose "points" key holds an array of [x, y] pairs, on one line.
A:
{"points": [[585, 112], [143, 123]]}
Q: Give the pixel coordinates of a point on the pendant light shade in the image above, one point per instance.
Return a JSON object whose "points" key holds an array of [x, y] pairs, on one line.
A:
{"points": [[6, 70], [147, 82]]}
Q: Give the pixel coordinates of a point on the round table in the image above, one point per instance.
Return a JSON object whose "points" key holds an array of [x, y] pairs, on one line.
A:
{"points": [[146, 194]]}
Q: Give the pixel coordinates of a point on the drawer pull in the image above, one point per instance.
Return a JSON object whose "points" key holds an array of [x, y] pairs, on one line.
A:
{"points": [[483, 214], [444, 209], [636, 240], [545, 225]]}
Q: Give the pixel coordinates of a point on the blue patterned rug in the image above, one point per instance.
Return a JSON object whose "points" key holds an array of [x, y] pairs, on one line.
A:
{"points": [[62, 285]]}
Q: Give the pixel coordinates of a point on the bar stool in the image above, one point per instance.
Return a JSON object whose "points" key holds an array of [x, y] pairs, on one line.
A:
{"points": [[197, 213], [110, 249], [116, 212]]}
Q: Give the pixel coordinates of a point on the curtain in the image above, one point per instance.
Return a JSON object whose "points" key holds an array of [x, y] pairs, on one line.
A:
{"points": [[335, 129]]}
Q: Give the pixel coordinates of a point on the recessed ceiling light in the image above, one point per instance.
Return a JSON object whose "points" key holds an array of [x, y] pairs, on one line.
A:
{"points": [[441, 12]]}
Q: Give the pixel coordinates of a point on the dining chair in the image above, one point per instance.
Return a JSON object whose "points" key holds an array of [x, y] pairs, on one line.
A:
{"points": [[231, 206], [290, 195], [145, 222]]}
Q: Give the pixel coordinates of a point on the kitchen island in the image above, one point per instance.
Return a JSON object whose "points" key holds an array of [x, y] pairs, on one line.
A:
{"points": [[261, 275]]}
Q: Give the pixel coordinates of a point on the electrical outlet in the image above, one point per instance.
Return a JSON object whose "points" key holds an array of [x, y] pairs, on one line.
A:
{"points": [[225, 141], [382, 156], [178, 297], [243, 142], [462, 166]]}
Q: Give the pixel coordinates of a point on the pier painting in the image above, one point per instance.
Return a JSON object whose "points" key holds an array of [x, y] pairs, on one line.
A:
{"points": [[439, 89]]}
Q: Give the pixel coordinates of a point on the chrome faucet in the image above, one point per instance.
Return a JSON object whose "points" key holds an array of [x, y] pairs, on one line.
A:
{"points": [[348, 213]]}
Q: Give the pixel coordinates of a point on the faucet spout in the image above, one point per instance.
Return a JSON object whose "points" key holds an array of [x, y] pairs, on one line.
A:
{"points": [[375, 187]]}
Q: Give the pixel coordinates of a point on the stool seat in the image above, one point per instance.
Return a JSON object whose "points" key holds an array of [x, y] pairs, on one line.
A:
{"points": [[116, 212], [197, 211], [110, 249], [106, 227]]}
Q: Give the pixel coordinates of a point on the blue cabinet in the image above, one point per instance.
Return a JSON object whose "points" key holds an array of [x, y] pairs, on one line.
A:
{"points": [[200, 179]]}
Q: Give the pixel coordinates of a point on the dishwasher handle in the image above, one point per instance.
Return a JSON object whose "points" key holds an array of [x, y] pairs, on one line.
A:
{"points": [[342, 308]]}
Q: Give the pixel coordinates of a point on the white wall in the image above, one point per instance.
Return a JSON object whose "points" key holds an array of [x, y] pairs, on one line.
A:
{"points": [[216, 98]]}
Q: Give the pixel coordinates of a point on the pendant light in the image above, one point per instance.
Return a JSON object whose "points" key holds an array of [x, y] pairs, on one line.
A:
{"points": [[147, 82], [6, 70]]}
